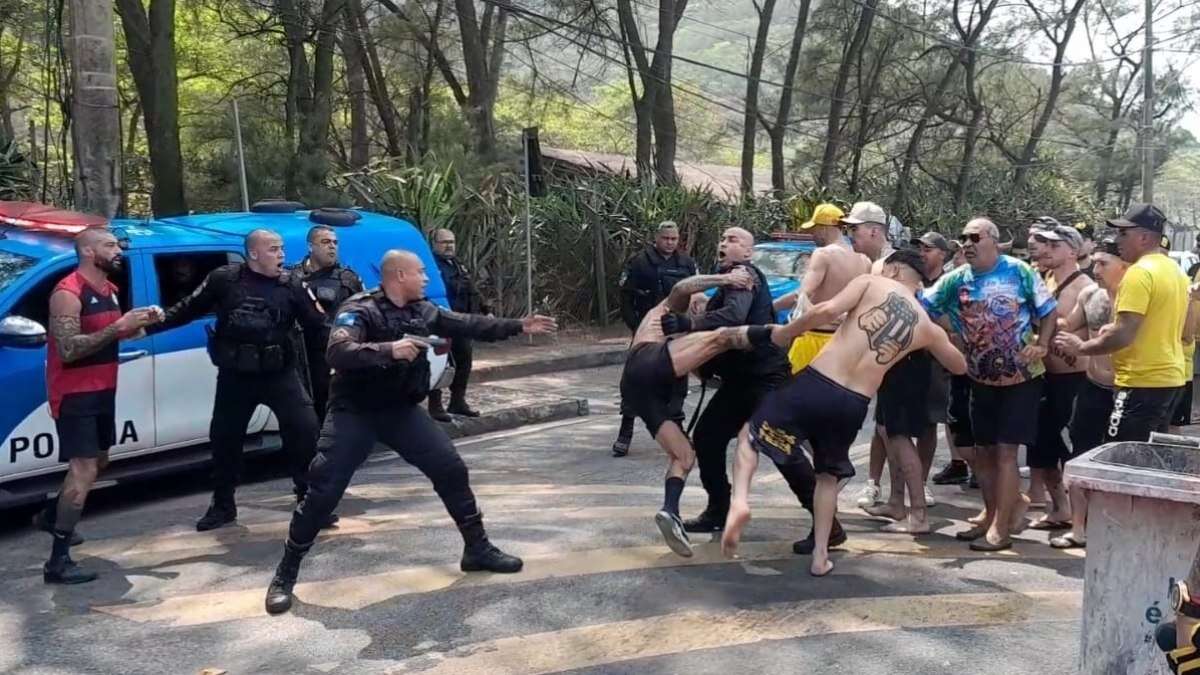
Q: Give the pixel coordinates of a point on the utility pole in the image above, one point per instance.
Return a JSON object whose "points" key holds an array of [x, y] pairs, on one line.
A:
{"points": [[1148, 109], [96, 120]]}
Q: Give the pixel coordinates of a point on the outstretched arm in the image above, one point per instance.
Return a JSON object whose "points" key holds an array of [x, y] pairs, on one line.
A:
{"points": [[681, 294], [824, 312], [942, 349]]}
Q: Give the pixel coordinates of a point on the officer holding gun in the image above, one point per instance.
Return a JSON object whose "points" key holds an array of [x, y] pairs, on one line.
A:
{"points": [[378, 351]]}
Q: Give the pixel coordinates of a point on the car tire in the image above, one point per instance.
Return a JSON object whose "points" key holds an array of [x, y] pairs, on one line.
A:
{"points": [[334, 217]]}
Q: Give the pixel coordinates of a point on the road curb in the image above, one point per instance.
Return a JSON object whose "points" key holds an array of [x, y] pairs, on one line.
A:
{"points": [[517, 416], [509, 371]]}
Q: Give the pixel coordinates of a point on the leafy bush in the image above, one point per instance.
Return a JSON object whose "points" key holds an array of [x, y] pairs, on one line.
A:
{"points": [[14, 172]]}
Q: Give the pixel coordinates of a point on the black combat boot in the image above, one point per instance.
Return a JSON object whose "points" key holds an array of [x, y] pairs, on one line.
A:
{"points": [[279, 593], [480, 555], [436, 411], [624, 437], [221, 511], [458, 405], [711, 519], [60, 569], [837, 537], [44, 521]]}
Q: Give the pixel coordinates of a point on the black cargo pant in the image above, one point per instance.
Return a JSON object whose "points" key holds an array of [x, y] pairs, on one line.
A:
{"points": [[318, 378], [348, 437], [728, 411], [238, 394]]}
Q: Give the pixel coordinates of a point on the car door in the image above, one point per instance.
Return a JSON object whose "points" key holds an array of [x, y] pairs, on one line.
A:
{"points": [[31, 447], [185, 380]]}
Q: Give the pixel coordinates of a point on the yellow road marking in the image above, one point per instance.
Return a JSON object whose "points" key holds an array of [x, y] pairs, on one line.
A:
{"points": [[356, 592], [608, 643]]}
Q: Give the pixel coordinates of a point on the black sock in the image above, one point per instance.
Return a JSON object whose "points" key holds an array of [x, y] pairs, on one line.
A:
{"points": [[66, 515], [958, 462], [50, 512], [61, 548], [674, 492]]}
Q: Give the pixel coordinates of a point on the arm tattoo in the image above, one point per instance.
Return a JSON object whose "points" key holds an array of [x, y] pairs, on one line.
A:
{"points": [[889, 327], [74, 345], [682, 292]]}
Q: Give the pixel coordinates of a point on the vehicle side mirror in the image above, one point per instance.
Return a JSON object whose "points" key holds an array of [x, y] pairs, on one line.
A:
{"points": [[17, 331]]}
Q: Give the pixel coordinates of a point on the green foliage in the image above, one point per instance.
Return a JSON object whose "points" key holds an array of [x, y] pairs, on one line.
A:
{"points": [[14, 172]]}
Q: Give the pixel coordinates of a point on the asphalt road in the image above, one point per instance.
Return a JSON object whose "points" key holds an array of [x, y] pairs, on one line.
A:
{"points": [[600, 592]]}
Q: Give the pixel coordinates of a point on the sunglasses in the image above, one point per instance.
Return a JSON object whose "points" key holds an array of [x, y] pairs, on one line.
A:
{"points": [[973, 237]]}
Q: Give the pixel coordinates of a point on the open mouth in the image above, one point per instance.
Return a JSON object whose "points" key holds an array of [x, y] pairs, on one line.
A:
{"points": [[720, 255]]}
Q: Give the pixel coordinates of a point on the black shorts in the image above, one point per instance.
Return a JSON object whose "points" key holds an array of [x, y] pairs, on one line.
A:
{"points": [[1137, 411], [1093, 407], [85, 436], [1054, 415], [939, 393], [649, 387], [812, 408], [1182, 415], [1005, 415], [902, 405], [961, 433]]}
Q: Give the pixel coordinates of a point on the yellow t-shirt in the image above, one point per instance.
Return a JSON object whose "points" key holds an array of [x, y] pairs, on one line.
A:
{"points": [[1157, 289]]}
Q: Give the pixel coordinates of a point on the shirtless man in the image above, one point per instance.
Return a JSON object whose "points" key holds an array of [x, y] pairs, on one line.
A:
{"points": [[1058, 250], [1094, 402], [831, 268], [822, 409], [655, 379]]}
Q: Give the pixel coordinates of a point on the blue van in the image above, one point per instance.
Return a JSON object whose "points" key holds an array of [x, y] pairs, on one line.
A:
{"points": [[167, 382]]}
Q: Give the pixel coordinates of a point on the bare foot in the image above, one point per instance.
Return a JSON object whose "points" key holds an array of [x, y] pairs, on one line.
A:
{"points": [[979, 518], [820, 567], [739, 515], [886, 511], [918, 523], [1017, 523]]}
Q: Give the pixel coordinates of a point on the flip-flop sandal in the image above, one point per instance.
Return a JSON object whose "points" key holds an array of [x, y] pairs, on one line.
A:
{"points": [[1066, 541], [971, 534], [988, 546], [827, 572], [1047, 524]]}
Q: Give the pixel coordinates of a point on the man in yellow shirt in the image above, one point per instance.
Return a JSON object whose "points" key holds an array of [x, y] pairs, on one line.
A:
{"points": [[1144, 339]]}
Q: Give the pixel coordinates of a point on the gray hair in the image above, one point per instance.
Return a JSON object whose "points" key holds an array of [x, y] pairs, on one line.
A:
{"points": [[989, 228], [667, 225]]}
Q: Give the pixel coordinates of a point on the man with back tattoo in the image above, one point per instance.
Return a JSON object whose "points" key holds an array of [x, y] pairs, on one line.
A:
{"points": [[81, 380], [821, 410]]}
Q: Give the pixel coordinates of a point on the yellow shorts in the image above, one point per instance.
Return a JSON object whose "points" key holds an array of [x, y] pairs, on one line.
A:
{"points": [[806, 348]]}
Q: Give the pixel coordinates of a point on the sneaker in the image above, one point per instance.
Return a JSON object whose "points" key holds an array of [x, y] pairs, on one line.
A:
{"points": [[66, 572], [805, 546], [869, 495], [620, 447], [929, 500], [488, 558], [954, 473], [217, 515], [705, 523], [672, 531]]}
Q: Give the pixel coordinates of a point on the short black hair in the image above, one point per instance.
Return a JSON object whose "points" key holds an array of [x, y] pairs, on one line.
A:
{"points": [[312, 232], [909, 258]]}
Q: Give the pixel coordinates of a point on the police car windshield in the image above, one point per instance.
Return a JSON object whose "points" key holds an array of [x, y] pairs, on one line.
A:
{"points": [[13, 266], [779, 263]]}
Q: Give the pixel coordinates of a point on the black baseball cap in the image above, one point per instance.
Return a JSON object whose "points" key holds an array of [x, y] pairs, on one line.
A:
{"points": [[909, 258], [1145, 216], [1108, 245]]}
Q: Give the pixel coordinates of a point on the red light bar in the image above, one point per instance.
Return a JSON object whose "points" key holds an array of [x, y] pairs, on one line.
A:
{"points": [[791, 236], [36, 217]]}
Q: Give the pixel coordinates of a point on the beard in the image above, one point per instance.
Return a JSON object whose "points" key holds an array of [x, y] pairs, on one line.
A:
{"points": [[112, 265]]}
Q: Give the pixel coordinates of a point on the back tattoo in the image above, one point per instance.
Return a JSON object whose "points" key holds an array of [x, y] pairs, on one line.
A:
{"points": [[889, 327]]}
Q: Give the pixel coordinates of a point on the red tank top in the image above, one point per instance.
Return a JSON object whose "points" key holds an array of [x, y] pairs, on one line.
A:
{"points": [[87, 386]]}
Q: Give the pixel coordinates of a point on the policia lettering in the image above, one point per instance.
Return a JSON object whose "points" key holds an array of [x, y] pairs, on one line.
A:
{"points": [[254, 346], [43, 445]]}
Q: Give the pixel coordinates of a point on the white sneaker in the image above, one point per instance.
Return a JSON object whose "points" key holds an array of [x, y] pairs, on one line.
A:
{"points": [[929, 500], [869, 495]]}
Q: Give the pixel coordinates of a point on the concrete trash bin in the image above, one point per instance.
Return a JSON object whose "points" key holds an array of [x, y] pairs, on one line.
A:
{"points": [[1143, 527]]}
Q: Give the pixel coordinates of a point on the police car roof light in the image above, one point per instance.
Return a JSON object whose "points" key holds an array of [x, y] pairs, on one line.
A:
{"points": [[334, 217], [35, 217], [790, 236]]}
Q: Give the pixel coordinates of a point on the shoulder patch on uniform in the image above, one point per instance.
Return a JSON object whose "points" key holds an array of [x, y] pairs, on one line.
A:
{"points": [[346, 319]]}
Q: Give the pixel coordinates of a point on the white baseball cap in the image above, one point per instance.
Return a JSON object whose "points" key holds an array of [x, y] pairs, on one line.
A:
{"points": [[866, 212]]}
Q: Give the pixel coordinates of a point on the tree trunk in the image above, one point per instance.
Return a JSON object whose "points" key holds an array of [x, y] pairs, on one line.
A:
{"points": [[150, 44], [311, 161], [864, 115], [778, 132], [356, 24], [360, 141], [1057, 73], [669, 13], [480, 99], [833, 136], [7, 75], [932, 105], [96, 127], [750, 119], [634, 53]]}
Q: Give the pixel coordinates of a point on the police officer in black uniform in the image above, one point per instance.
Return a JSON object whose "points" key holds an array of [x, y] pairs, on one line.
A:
{"points": [[646, 281], [746, 377], [381, 375], [258, 305], [464, 298], [328, 283]]}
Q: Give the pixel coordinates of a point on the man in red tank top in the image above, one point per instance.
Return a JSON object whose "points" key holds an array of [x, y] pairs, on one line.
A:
{"points": [[81, 381]]}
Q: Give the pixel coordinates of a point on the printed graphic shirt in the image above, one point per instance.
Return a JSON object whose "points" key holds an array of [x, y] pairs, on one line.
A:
{"points": [[994, 313]]}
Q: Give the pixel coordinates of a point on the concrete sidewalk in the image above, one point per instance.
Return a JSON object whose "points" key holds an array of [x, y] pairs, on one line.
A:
{"points": [[503, 407]]}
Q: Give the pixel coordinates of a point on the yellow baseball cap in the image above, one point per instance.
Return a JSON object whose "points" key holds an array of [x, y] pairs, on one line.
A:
{"points": [[828, 215]]}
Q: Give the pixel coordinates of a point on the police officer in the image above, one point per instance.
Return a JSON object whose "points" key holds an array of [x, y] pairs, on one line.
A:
{"points": [[646, 281], [257, 305], [329, 283], [464, 298], [381, 374], [746, 377]]}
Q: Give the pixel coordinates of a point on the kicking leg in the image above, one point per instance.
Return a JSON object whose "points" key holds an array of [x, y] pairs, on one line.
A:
{"points": [[681, 457], [745, 462]]}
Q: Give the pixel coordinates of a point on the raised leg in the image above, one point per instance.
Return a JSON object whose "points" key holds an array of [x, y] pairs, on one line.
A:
{"points": [[745, 463]]}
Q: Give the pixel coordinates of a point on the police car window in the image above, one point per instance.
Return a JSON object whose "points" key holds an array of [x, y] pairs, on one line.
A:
{"points": [[35, 304], [180, 273], [12, 266], [780, 263]]}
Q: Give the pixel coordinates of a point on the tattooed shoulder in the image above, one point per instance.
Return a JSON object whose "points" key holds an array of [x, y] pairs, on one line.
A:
{"points": [[890, 327]]}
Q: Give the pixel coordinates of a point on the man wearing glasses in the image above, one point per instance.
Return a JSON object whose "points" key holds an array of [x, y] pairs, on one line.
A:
{"points": [[995, 304], [1144, 340]]}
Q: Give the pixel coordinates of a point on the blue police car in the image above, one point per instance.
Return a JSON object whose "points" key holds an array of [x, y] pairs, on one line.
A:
{"points": [[166, 381]]}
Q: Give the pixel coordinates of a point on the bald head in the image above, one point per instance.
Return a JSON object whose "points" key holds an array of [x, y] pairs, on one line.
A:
{"points": [[402, 275], [736, 246], [98, 248], [983, 226], [264, 248], [90, 238]]}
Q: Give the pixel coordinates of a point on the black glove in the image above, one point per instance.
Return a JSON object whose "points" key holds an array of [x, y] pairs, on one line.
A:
{"points": [[676, 323]]}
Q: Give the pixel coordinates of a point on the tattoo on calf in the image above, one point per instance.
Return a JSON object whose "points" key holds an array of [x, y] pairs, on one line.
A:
{"points": [[889, 327]]}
